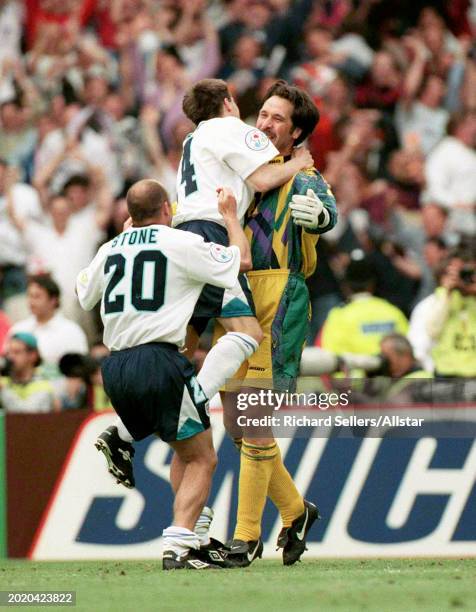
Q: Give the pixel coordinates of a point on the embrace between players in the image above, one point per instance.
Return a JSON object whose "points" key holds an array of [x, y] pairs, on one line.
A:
{"points": [[159, 287]]}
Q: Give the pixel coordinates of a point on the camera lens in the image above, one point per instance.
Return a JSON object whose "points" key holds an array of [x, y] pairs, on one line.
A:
{"points": [[467, 275]]}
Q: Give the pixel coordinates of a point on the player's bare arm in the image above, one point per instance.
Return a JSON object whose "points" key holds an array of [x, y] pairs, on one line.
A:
{"points": [[269, 176], [228, 210]]}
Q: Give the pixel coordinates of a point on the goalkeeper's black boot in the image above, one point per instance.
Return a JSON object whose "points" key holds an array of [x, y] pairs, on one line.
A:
{"points": [[293, 539], [172, 561], [118, 455], [242, 554]]}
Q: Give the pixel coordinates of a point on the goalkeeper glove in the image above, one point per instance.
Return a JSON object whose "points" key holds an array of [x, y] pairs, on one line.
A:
{"points": [[308, 211]]}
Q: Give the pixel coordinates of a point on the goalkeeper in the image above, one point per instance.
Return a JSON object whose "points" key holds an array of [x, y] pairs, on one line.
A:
{"points": [[283, 227]]}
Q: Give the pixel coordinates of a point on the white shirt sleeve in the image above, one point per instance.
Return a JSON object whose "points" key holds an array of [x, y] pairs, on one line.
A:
{"points": [[242, 147], [418, 335], [89, 282], [27, 202], [77, 341], [450, 172], [213, 263], [436, 173]]}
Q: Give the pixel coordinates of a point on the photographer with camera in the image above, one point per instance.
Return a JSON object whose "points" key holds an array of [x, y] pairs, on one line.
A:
{"points": [[392, 374], [82, 384], [451, 316], [21, 388]]}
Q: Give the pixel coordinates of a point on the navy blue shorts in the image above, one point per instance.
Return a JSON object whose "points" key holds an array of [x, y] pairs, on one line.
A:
{"points": [[154, 390], [213, 301]]}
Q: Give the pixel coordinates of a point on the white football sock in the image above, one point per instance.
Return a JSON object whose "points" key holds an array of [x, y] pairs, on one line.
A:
{"points": [[224, 360], [180, 540], [202, 526], [122, 431]]}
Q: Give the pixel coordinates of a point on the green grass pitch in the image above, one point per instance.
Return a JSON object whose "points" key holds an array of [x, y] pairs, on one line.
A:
{"points": [[324, 585]]}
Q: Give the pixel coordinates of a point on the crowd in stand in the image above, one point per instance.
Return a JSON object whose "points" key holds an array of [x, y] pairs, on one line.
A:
{"points": [[90, 102]]}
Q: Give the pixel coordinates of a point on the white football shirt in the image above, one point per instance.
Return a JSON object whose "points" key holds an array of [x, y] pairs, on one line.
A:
{"points": [[148, 280], [221, 152]]}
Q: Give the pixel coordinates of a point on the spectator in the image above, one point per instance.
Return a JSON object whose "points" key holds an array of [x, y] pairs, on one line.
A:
{"points": [[47, 122], [119, 216], [421, 122], [429, 243], [61, 248], [274, 29], [17, 136], [318, 73], [367, 140], [440, 45], [418, 336], [22, 389], [160, 164], [40, 14], [398, 272], [74, 387], [434, 221], [56, 334], [128, 134], [398, 353], [80, 190], [406, 171], [400, 378], [435, 251], [244, 71], [5, 325], [75, 148], [10, 47], [24, 200], [172, 77], [383, 86], [355, 53], [335, 108], [10, 30], [451, 173], [451, 316]]}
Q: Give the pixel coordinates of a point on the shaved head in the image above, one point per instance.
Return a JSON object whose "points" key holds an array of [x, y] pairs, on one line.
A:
{"points": [[145, 200]]}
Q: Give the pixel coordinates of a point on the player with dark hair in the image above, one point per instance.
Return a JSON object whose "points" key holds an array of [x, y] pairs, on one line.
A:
{"points": [[205, 100], [304, 114], [223, 150], [283, 227]]}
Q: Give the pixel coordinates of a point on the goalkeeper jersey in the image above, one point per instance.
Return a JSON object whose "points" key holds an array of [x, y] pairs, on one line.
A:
{"points": [[276, 241]]}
